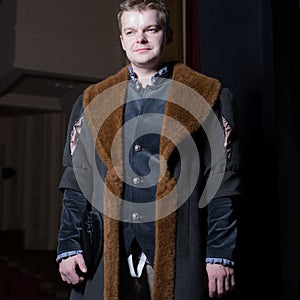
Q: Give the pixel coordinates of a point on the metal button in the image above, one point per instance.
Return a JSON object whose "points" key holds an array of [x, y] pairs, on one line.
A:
{"points": [[135, 216], [137, 148], [136, 180]]}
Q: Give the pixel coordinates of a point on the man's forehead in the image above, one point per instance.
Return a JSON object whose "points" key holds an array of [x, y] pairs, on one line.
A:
{"points": [[148, 15]]}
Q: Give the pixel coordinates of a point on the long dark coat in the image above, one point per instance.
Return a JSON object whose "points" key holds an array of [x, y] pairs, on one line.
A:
{"points": [[199, 227]]}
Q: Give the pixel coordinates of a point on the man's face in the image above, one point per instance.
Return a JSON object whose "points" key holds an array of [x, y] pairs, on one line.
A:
{"points": [[142, 38]]}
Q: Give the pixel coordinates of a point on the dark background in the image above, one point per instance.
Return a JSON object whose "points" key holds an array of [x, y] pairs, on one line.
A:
{"points": [[253, 48]]}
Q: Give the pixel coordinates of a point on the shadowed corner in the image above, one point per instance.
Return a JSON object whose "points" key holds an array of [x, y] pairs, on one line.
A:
{"points": [[8, 172]]}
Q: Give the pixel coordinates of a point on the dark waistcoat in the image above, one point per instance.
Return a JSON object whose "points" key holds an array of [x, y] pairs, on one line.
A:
{"points": [[141, 139]]}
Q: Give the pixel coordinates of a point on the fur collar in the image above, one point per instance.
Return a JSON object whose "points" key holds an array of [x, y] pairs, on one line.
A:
{"points": [[114, 87]]}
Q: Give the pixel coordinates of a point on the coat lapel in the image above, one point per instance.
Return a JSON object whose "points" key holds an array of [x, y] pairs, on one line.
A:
{"points": [[108, 98]]}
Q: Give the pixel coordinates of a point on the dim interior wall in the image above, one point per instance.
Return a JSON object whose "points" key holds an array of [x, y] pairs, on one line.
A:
{"points": [[30, 200]]}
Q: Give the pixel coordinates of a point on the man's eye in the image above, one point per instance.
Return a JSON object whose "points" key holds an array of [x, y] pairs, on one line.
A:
{"points": [[129, 33], [152, 30]]}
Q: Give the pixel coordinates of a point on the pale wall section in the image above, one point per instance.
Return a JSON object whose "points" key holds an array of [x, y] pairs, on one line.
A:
{"points": [[69, 38]]}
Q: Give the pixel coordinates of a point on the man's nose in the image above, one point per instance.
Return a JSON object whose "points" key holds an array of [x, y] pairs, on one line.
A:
{"points": [[141, 37]]}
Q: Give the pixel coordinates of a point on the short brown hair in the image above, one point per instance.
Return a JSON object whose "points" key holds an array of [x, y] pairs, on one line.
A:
{"points": [[142, 5]]}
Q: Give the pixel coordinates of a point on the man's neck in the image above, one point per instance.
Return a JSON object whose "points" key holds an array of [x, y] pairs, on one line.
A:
{"points": [[145, 81], [144, 75]]}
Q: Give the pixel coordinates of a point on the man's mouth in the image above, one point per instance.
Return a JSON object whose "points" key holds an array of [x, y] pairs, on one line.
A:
{"points": [[142, 49]]}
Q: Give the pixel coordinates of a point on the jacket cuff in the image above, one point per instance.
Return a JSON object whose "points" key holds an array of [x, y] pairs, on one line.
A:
{"points": [[221, 261], [67, 254]]}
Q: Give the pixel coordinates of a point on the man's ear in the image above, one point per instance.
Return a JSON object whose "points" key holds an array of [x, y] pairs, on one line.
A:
{"points": [[169, 36], [121, 40]]}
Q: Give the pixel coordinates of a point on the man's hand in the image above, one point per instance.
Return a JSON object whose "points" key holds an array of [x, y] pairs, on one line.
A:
{"points": [[220, 279], [67, 269]]}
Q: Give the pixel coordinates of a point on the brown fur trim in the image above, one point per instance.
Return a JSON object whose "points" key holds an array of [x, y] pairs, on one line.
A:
{"points": [[190, 98], [95, 89], [207, 87], [97, 98], [164, 270], [111, 236]]}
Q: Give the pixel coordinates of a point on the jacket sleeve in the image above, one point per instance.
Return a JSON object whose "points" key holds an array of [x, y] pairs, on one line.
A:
{"points": [[76, 172], [70, 168], [69, 241], [222, 209]]}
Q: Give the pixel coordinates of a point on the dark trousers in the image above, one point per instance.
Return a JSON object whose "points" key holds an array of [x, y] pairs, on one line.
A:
{"points": [[132, 288]]}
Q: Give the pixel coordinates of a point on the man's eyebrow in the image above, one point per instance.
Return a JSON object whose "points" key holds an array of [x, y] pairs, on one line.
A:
{"points": [[153, 25], [128, 28], [146, 27]]}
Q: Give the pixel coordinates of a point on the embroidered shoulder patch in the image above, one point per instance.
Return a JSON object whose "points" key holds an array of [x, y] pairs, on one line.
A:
{"points": [[74, 136], [227, 137]]}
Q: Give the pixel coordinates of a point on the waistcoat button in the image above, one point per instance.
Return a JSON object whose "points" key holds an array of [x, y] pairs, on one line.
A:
{"points": [[137, 148], [136, 180], [135, 216]]}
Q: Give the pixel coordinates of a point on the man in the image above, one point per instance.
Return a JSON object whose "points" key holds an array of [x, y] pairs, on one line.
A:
{"points": [[169, 175]]}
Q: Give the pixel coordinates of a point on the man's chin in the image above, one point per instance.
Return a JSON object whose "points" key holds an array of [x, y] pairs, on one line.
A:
{"points": [[145, 62]]}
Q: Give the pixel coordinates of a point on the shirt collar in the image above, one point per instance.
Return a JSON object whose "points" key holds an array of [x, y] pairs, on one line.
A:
{"points": [[164, 72]]}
